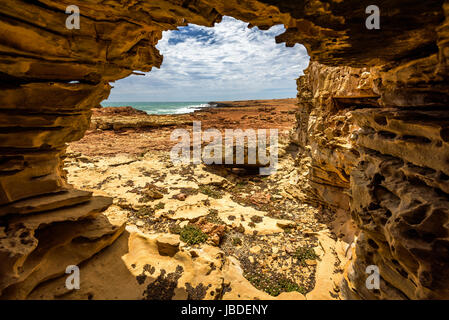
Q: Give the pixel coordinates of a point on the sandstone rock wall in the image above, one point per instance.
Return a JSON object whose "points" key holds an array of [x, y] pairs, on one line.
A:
{"points": [[50, 78], [377, 140], [325, 128], [400, 197]]}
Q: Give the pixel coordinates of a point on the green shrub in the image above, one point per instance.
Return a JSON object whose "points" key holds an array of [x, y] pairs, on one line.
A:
{"points": [[236, 241], [273, 286], [192, 235], [159, 206], [303, 254]]}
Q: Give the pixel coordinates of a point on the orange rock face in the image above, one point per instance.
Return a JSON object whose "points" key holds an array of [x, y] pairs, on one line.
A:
{"points": [[374, 124]]}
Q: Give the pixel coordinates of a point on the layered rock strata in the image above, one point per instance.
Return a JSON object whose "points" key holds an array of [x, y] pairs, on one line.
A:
{"points": [[377, 143], [325, 126], [51, 77], [400, 198], [400, 202]]}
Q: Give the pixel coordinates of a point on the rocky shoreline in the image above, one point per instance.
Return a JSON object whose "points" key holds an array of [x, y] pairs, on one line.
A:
{"points": [[126, 130], [223, 228]]}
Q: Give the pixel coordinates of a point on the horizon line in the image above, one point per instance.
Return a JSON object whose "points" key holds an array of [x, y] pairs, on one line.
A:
{"points": [[249, 99]]}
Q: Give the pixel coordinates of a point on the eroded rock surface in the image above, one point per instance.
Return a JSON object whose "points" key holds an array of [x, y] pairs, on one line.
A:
{"points": [[246, 220], [52, 76], [374, 141]]}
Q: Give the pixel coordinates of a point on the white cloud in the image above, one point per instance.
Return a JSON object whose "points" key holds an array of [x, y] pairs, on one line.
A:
{"points": [[226, 62]]}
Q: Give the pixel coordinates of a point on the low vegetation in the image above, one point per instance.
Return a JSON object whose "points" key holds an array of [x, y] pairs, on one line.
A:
{"points": [[208, 191], [192, 235], [236, 241], [159, 206], [273, 286], [213, 217], [303, 254]]}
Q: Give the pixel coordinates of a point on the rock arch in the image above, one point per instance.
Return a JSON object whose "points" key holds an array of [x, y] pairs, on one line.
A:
{"points": [[51, 77]]}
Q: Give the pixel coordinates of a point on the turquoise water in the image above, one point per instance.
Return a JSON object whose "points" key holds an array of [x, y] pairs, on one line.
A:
{"points": [[161, 107]]}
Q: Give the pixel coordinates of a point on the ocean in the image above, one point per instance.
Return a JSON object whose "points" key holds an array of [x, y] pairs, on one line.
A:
{"points": [[161, 107]]}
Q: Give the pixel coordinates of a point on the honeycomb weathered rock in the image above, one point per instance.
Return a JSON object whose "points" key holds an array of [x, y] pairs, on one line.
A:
{"points": [[50, 78]]}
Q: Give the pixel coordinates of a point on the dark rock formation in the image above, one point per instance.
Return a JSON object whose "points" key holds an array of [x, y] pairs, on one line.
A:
{"points": [[396, 169]]}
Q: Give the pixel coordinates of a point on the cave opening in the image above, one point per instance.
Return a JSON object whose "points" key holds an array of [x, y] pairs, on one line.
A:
{"points": [[203, 68], [113, 216], [230, 61]]}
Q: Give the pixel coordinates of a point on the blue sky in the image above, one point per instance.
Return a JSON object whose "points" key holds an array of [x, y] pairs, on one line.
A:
{"points": [[226, 62]]}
